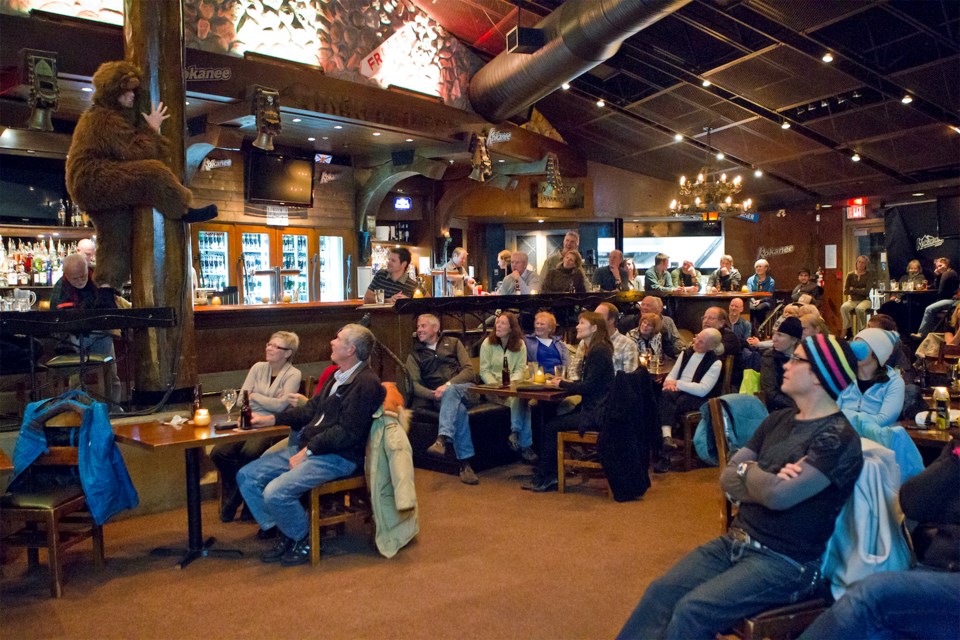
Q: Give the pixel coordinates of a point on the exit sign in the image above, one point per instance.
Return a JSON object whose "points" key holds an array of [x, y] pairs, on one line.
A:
{"points": [[856, 212]]}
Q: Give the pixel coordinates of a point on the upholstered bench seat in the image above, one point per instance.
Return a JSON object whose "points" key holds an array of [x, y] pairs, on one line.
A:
{"points": [[489, 426]]}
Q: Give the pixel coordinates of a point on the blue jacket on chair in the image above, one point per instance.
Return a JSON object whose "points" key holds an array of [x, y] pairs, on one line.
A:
{"points": [[745, 412], [103, 473]]}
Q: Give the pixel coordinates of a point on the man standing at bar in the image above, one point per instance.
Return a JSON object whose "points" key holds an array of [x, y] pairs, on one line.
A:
{"points": [[442, 377], [657, 280], [394, 278], [527, 278], [791, 480], [457, 272], [571, 242], [613, 277], [329, 436]]}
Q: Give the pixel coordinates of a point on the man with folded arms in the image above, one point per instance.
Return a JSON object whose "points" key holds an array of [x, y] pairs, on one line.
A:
{"points": [[443, 378], [790, 480], [329, 437]]}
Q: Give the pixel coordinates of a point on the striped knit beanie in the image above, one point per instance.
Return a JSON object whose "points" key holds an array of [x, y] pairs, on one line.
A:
{"points": [[832, 361]]}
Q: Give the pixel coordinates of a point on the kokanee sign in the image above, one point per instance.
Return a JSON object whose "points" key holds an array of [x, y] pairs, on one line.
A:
{"points": [[194, 73]]}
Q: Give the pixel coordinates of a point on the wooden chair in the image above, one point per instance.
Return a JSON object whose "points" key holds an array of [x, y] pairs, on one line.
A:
{"points": [[782, 623], [333, 504], [585, 468], [53, 519]]}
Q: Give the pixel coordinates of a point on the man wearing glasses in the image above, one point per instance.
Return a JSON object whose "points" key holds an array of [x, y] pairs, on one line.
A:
{"points": [[790, 481]]}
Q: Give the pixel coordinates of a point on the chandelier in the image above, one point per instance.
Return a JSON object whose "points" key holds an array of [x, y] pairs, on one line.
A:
{"points": [[710, 195]]}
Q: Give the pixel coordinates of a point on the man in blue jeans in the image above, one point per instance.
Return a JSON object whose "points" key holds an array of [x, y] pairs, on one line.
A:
{"points": [[947, 283], [790, 480], [329, 435]]}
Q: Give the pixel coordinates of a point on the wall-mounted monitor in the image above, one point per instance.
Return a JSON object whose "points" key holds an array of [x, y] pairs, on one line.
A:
{"points": [[402, 203], [279, 180], [31, 189]]}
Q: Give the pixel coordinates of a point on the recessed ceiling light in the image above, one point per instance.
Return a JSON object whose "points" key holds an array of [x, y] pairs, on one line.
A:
{"points": [[827, 57], [565, 86], [326, 137], [337, 126], [187, 103], [720, 155], [376, 134], [906, 99], [855, 157], [678, 137], [601, 103], [311, 139], [451, 161], [826, 206], [540, 221], [757, 173], [706, 83], [501, 160], [297, 120], [86, 89], [784, 125], [917, 195], [955, 128], [409, 140]]}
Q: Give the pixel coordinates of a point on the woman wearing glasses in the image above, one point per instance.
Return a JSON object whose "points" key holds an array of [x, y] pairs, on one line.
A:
{"points": [[268, 382]]}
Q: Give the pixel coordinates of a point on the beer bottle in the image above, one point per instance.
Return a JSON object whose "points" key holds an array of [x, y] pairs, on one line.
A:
{"points": [[505, 372], [941, 404], [197, 397], [246, 413]]}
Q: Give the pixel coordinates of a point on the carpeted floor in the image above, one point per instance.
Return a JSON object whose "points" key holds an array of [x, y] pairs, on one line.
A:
{"points": [[491, 561]]}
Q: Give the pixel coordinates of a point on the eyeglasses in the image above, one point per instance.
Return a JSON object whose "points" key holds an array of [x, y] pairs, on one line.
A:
{"points": [[276, 346], [797, 358]]}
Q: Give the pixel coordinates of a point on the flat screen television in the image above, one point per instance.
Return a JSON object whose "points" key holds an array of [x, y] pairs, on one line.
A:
{"points": [[31, 189], [281, 180]]}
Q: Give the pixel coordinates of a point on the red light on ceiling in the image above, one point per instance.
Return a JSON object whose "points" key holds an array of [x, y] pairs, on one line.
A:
{"points": [[856, 202]]}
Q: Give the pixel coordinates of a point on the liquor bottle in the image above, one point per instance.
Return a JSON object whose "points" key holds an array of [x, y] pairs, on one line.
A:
{"points": [[941, 408], [197, 398], [62, 214], [246, 413], [505, 372]]}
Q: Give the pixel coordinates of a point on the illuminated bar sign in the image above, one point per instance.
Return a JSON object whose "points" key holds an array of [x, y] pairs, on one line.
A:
{"points": [[402, 203]]}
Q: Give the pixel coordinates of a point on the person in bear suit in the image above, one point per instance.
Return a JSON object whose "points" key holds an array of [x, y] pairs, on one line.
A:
{"points": [[115, 164]]}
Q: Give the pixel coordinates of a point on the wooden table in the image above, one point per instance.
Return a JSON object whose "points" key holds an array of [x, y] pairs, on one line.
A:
{"points": [[155, 436], [541, 393]]}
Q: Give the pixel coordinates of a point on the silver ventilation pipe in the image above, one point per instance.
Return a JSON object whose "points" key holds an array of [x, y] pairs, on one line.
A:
{"points": [[578, 36]]}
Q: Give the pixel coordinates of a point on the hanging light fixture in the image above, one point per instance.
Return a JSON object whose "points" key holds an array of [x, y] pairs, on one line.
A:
{"points": [[710, 195]]}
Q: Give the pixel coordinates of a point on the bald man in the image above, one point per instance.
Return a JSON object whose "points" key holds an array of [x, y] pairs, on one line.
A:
{"points": [[88, 249], [694, 378]]}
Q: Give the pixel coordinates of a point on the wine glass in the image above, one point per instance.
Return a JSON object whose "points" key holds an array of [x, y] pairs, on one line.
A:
{"points": [[228, 398]]}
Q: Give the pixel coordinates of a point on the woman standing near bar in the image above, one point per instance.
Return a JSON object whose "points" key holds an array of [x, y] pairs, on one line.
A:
{"points": [[596, 378], [568, 277], [504, 347], [856, 287], [268, 382]]}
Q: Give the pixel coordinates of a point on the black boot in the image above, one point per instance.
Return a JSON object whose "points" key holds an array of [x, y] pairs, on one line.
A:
{"points": [[202, 214], [282, 545]]}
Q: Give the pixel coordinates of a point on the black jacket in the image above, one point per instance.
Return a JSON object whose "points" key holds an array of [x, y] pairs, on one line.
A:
{"points": [[771, 379], [624, 442], [339, 423]]}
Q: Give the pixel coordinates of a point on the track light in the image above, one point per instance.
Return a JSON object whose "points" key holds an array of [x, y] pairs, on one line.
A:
{"points": [[565, 86], [784, 125], [601, 103], [906, 99], [706, 83], [855, 157], [827, 57], [757, 173], [678, 137]]}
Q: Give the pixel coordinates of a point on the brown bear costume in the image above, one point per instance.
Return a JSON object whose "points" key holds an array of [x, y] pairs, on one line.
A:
{"points": [[114, 165]]}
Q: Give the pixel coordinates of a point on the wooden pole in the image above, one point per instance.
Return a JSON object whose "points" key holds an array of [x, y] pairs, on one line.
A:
{"points": [[161, 277]]}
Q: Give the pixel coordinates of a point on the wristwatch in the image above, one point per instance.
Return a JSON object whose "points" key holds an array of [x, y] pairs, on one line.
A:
{"points": [[310, 453], [742, 468]]}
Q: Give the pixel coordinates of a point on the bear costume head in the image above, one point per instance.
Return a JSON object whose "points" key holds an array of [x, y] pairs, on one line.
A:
{"points": [[113, 79]]}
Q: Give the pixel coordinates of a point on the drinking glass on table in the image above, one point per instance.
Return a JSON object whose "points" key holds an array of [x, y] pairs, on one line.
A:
{"points": [[560, 371], [228, 398]]}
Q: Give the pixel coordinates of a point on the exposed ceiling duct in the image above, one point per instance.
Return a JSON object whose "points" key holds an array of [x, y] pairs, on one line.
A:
{"points": [[579, 35]]}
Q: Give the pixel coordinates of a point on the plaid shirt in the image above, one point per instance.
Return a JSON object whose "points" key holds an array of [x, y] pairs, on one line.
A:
{"points": [[626, 357]]}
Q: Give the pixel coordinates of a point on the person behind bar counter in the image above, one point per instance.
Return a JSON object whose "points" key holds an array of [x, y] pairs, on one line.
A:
{"points": [[456, 271], [394, 278], [568, 277]]}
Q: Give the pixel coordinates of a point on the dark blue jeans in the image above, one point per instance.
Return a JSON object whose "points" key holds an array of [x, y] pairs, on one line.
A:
{"points": [[896, 604], [716, 585]]}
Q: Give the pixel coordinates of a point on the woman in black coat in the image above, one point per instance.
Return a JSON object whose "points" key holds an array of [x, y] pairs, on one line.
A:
{"points": [[596, 379]]}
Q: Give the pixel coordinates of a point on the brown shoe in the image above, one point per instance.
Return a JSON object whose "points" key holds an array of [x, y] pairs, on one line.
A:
{"points": [[467, 475]]}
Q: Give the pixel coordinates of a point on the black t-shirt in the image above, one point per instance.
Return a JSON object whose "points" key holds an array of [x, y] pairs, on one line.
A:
{"points": [[831, 446]]}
